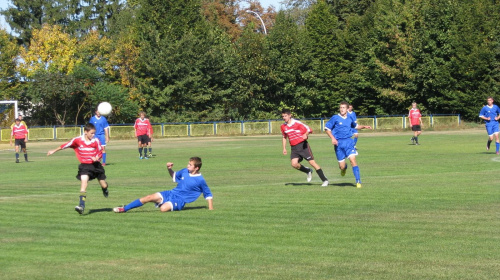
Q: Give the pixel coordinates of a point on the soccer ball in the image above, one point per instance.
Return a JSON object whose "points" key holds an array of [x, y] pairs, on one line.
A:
{"points": [[104, 108]]}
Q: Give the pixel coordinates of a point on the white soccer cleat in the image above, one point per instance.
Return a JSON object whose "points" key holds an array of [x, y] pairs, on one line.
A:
{"points": [[309, 175], [325, 184], [119, 210]]}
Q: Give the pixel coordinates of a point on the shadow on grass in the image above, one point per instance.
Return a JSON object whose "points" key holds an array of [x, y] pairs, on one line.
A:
{"points": [[92, 211], [318, 184]]}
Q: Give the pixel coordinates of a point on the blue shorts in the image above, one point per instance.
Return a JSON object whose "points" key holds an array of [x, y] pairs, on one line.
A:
{"points": [[176, 202], [492, 129], [345, 148], [102, 139]]}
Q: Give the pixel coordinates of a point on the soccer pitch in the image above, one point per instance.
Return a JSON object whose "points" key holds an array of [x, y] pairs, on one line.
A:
{"points": [[424, 212]]}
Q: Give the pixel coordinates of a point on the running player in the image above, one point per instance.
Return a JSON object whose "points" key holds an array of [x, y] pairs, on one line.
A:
{"points": [[190, 184], [353, 116], [297, 134], [339, 129], [20, 134], [490, 113], [101, 132], [144, 134], [416, 122], [88, 150]]}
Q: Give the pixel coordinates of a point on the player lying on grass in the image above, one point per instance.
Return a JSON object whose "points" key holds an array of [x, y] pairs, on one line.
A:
{"points": [[190, 184], [339, 129], [88, 150]]}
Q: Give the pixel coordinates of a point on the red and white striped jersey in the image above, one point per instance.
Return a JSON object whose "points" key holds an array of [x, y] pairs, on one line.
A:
{"points": [[84, 149], [293, 130], [19, 131], [414, 116], [143, 127]]}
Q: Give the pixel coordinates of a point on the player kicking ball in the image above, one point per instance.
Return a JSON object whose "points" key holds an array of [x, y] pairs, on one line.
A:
{"points": [[190, 184], [339, 129], [88, 150]]}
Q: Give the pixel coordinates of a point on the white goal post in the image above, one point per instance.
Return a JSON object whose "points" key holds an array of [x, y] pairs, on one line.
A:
{"points": [[11, 102]]}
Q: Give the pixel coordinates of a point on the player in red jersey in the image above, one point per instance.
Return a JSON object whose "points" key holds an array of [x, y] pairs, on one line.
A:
{"points": [[20, 133], [144, 134], [88, 150], [297, 134], [415, 121]]}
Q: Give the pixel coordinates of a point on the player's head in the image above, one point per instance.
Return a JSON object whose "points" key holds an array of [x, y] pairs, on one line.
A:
{"points": [[286, 114], [18, 121], [142, 114], [490, 100], [350, 108], [20, 117], [97, 114], [89, 131], [414, 105], [343, 107], [195, 162]]}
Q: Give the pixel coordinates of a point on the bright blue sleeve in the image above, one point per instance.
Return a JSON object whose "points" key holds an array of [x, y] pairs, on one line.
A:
{"points": [[180, 174], [330, 125], [206, 190], [483, 112]]}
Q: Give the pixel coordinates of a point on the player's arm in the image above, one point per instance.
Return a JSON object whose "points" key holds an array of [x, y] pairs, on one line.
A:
{"points": [[210, 203], [106, 134], [284, 145], [334, 140], [169, 168], [363, 126], [53, 151], [11, 135]]}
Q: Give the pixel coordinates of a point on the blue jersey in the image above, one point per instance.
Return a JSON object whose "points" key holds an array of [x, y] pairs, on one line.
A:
{"points": [[189, 187], [100, 124], [341, 127], [355, 118], [491, 112]]}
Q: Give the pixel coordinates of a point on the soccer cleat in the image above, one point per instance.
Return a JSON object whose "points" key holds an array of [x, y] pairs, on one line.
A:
{"points": [[413, 140], [343, 171], [17, 160], [105, 192], [119, 210], [146, 157], [417, 144], [498, 153], [325, 184], [358, 185], [103, 164], [79, 209], [309, 175], [487, 148], [140, 157]]}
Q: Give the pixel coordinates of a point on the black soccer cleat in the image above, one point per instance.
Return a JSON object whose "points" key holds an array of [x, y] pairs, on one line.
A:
{"points": [[105, 192], [79, 209]]}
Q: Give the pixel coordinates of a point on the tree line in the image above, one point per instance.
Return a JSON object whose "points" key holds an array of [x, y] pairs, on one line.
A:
{"points": [[210, 60]]}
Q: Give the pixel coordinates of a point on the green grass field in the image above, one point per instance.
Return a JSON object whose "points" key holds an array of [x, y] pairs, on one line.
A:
{"points": [[424, 212]]}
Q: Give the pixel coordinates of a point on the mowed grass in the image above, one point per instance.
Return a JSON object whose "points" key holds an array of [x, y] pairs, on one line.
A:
{"points": [[424, 212]]}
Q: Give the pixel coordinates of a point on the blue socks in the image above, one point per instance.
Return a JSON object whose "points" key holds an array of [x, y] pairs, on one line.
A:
{"points": [[134, 204], [498, 146], [103, 157], [355, 140], [355, 171]]}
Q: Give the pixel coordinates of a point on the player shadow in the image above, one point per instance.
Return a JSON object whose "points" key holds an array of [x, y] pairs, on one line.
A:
{"points": [[318, 184], [194, 208], [92, 211]]}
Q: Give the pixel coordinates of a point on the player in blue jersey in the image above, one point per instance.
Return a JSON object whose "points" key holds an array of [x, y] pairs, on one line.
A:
{"points": [[490, 114], [339, 129], [101, 132], [353, 116], [190, 185]]}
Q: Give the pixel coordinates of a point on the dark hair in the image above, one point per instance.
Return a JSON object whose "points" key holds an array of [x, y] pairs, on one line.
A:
{"points": [[89, 127], [196, 161], [286, 111], [345, 103]]}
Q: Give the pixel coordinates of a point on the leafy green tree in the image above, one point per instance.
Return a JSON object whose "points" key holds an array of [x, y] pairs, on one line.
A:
{"points": [[8, 56]]}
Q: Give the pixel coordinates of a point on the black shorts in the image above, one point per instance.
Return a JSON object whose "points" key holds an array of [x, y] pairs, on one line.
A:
{"points": [[416, 128], [93, 170], [20, 142], [302, 151], [143, 139]]}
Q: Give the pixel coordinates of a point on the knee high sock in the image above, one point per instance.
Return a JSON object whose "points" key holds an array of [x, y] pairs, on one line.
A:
{"points": [[416, 139], [140, 151], [17, 155], [498, 146], [488, 143], [355, 140], [103, 157], [134, 204], [26, 156], [83, 197], [304, 169], [355, 171], [321, 175], [150, 150]]}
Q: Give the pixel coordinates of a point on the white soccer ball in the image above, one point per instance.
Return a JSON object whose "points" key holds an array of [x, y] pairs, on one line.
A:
{"points": [[104, 108]]}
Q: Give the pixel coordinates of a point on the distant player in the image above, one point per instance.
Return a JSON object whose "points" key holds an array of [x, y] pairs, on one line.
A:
{"points": [[20, 134], [190, 185], [144, 134], [353, 116], [101, 132], [416, 122], [88, 150], [297, 134], [339, 129], [490, 113], [20, 117]]}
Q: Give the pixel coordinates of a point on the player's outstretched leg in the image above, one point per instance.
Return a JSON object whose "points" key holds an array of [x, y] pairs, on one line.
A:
{"points": [[80, 208]]}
